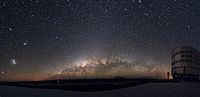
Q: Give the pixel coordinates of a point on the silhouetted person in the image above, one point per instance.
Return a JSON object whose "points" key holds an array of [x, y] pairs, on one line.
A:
{"points": [[168, 75]]}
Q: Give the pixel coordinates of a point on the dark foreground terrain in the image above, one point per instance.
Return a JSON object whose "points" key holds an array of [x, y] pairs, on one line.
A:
{"points": [[84, 84], [155, 89]]}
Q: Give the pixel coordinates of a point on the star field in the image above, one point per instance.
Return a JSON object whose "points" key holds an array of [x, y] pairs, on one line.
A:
{"points": [[38, 38]]}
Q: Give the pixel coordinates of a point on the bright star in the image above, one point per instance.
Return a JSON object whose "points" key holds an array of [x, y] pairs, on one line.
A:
{"points": [[10, 29], [25, 43]]}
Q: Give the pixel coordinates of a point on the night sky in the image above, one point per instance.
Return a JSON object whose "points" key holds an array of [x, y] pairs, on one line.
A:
{"points": [[48, 39]]}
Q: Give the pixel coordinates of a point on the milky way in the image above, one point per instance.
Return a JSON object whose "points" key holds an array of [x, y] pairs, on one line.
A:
{"points": [[42, 38]]}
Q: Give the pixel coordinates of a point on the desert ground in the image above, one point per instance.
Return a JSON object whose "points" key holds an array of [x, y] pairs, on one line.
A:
{"points": [[182, 89]]}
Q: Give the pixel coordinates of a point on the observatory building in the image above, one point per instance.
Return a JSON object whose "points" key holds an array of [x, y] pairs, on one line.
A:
{"points": [[185, 63]]}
